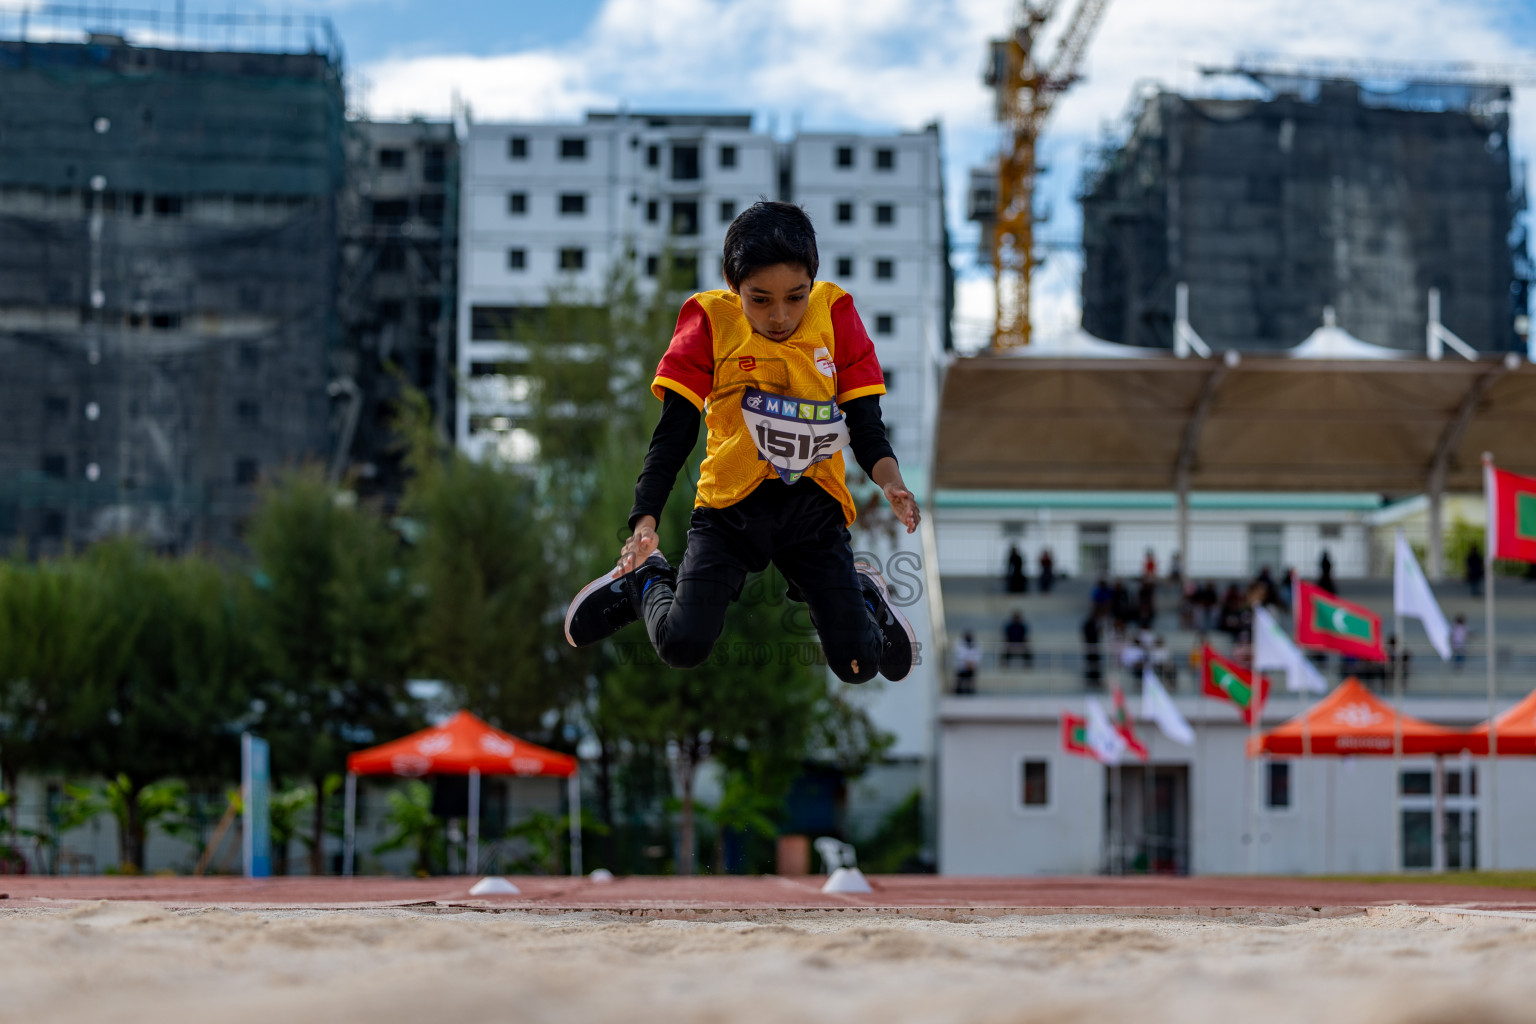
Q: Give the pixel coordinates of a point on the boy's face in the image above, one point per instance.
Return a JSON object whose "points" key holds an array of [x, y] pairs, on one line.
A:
{"points": [[774, 299]]}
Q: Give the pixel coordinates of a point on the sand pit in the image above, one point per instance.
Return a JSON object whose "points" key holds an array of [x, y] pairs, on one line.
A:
{"points": [[125, 961]]}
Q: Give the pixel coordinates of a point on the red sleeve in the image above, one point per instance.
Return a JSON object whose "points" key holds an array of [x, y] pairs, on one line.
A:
{"points": [[688, 367], [858, 368]]}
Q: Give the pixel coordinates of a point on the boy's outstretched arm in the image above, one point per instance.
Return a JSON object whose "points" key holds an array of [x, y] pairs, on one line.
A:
{"points": [[674, 437], [872, 450]]}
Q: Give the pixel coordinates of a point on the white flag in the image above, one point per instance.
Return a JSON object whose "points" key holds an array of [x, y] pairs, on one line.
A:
{"points": [[1412, 598], [1103, 738], [1273, 650], [1157, 706]]}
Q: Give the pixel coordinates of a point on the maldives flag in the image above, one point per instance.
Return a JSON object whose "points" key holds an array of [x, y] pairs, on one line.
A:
{"points": [[1511, 514], [1226, 680], [1332, 624], [1127, 728], [1074, 736]]}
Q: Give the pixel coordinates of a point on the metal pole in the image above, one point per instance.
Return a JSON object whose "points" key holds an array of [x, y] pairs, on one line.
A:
{"points": [[1439, 837], [1493, 710], [573, 788], [472, 845], [349, 833], [1258, 773], [1397, 738]]}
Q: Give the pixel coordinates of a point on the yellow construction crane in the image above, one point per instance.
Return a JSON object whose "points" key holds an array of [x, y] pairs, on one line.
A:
{"points": [[1026, 90]]}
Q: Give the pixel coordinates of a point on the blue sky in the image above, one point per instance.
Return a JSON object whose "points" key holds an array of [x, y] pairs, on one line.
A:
{"points": [[876, 64]]}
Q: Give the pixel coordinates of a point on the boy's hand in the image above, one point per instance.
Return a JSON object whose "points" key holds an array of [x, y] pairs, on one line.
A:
{"points": [[903, 505], [638, 547]]}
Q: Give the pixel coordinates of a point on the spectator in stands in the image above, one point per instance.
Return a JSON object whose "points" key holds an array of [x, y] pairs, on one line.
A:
{"points": [[1390, 669], [1016, 582], [1188, 609], [1149, 566], [1176, 567], [1093, 658], [1206, 603], [1325, 574], [1230, 618], [1102, 598], [1016, 641], [1475, 569], [1120, 610], [1459, 642], [1132, 657], [967, 661], [1146, 602], [1047, 571], [1263, 590]]}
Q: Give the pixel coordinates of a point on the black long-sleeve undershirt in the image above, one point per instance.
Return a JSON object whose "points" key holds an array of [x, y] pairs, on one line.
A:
{"points": [[678, 431]]}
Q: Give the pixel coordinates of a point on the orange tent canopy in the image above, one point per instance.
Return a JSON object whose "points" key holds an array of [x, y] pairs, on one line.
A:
{"points": [[1517, 730], [1353, 720], [456, 747]]}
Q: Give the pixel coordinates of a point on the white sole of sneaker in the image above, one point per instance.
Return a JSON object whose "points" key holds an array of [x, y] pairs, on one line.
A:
{"points": [[602, 581], [885, 595]]}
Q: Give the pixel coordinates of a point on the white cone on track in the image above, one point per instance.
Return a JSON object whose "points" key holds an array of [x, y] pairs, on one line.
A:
{"points": [[601, 875], [847, 880], [494, 887]]}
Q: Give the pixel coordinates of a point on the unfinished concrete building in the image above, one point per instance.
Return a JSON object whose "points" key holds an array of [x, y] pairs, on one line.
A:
{"points": [[1324, 193], [398, 295], [168, 280]]}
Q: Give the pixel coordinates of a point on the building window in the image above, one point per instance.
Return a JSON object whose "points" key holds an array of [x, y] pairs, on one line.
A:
{"points": [[890, 377], [430, 208], [845, 213], [685, 217], [727, 156], [685, 271], [392, 159], [573, 148], [727, 210], [250, 357], [1277, 786], [248, 412], [1331, 531], [53, 523], [517, 147], [55, 467], [391, 258], [885, 159], [167, 206], [885, 213], [652, 211], [245, 472], [885, 323], [56, 407], [885, 270], [652, 265], [573, 259], [573, 203], [845, 156], [517, 259], [434, 164], [1035, 779], [517, 203], [390, 311], [653, 155], [390, 211], [845, 267], [685, 163], [165, 321]]}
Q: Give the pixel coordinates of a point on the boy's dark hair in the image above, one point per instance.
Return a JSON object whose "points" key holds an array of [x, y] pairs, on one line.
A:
{"points": [[765, 234]]}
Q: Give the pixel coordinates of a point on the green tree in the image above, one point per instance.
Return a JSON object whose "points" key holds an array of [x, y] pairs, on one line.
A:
{"points": [[335, 626], [414, 827]]}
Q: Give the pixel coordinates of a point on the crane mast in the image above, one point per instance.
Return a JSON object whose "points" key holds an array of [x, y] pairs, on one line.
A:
{"points": [[1026, 90]]}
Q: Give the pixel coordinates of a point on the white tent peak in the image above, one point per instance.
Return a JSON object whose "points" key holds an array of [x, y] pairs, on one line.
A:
{"points": [[1076, 343], [1331, 341]]}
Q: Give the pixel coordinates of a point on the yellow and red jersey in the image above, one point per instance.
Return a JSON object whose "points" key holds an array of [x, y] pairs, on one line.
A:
{"points": [[770, 407]]}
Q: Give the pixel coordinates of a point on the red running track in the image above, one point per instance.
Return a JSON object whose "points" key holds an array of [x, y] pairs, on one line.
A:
{"points": [[713, 895]]}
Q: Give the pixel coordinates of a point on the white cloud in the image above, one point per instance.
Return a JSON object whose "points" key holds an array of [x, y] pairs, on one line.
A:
{"points": [[903, 63]]}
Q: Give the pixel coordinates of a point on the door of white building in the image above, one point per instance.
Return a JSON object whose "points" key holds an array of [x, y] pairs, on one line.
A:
{"points": [[1416, 803], [1147, 819]]}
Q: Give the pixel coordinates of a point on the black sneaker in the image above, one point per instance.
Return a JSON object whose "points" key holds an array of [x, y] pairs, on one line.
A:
{"points": [[605, 606], [900, 642]]}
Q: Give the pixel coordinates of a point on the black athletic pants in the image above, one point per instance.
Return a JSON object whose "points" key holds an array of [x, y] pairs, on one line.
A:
{"points": [[798, 528]]}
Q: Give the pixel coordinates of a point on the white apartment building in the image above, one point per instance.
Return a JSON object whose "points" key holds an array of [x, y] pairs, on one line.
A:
{"points": [[548, 208]]}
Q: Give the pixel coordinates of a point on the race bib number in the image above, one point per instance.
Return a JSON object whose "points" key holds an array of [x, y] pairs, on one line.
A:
{"points": [[792, 435]]}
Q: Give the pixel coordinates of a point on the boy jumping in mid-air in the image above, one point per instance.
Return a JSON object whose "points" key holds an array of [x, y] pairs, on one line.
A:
{"points": [[784, 374]]}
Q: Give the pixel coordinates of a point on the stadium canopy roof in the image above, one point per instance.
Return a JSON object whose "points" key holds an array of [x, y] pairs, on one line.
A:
{"points": [[1251, 423]]}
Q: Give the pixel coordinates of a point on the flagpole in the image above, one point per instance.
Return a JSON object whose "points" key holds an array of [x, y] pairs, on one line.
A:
{"points": [[1397, 733], [1489, 497]]}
